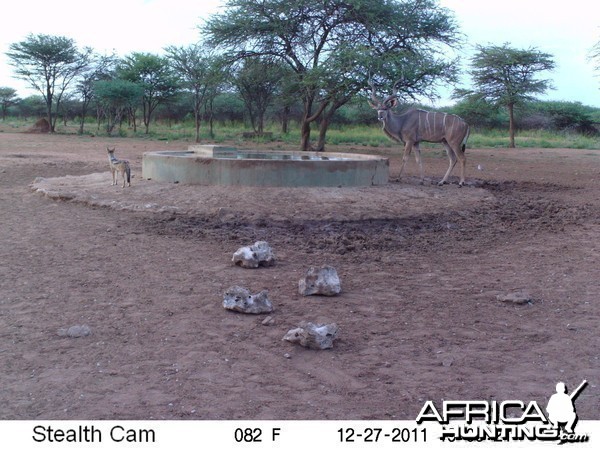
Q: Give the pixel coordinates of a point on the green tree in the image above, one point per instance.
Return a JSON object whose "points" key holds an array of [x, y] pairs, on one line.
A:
{"points": [[258, 81], [154, 75], [8, 97], [508, 77], [32, 106], [116, 97], [49, 64], [566, 116], [333, 45], [478, 112], [194, 65], [101, 68]]}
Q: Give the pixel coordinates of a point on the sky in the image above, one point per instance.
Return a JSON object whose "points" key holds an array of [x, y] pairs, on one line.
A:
{"points": [[566, 30]]}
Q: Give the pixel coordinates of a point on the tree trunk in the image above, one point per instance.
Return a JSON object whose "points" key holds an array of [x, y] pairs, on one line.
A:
{"points": [[82, 120], [285, 117], [98, 118], [306, 121], [197, 126], [134, 120], [261, 122], [305, 135], [511, 125], [322, 133], [49, 99], [208, 109], [197, 117], [49, 114]]}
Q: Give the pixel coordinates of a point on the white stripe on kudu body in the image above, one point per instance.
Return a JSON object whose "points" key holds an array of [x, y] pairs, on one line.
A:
{"points": [[416, 125]]}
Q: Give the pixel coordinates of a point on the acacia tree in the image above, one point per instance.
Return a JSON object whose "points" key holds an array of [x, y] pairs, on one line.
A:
{"points": [[154, 75], [314, 38], [8, 97], [258, 80], [49, 64], [101, 68], [508, 77], [194, 66], [116, 97]]}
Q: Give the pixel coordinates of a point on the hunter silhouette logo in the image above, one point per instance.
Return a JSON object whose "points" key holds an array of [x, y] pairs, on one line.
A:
{"points": [[479, 420], [561, 407]]}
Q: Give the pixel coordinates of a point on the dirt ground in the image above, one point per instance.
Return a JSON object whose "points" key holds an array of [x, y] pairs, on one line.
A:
{"points": [[421, 269]]}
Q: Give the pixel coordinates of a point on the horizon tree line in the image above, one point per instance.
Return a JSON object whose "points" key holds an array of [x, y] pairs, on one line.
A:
{"points": [[319, 55]]}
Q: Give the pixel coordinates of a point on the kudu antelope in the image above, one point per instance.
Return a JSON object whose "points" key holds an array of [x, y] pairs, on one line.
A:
{"points": [[416, 125]]}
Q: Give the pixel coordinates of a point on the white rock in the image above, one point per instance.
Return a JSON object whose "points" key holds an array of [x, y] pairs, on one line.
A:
{"points": [[240, 299], [251, 257], [320, 281], [313, 336], [245, 257]]}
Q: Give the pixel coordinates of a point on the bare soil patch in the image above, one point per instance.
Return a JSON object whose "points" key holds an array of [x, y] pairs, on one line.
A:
{"points": [[421, 268]]}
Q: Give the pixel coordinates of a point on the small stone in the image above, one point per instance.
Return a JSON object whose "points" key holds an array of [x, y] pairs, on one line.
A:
{"points": [[287, 356], [319, 336], [240, 299], [518, 298], [268, 321], [320, 281], [75, 331]]}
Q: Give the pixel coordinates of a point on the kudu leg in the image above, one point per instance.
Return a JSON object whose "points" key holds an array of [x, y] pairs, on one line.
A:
{"points": [[419, 162], [407, 149], [452, 158], [463, 164]]}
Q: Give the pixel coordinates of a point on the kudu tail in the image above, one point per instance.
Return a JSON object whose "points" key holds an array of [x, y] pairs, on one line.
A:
{"points": [[464, 141]]}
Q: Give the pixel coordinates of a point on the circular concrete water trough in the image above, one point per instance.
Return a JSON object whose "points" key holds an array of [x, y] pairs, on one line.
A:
{"points": [[219, 165]]}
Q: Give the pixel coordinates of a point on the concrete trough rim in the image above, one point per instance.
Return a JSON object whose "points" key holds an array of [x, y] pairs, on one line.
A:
{"points": [[208, 151], [198, 165]]}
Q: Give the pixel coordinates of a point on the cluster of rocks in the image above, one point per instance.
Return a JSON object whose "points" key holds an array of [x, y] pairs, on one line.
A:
{"points": [[317, 281]]}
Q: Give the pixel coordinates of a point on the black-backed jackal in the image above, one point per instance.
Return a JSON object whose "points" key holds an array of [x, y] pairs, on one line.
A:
{"points": [[118, 165]]}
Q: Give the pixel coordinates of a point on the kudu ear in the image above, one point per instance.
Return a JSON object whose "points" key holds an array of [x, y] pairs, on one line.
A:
{"points": [[391, 102]]}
